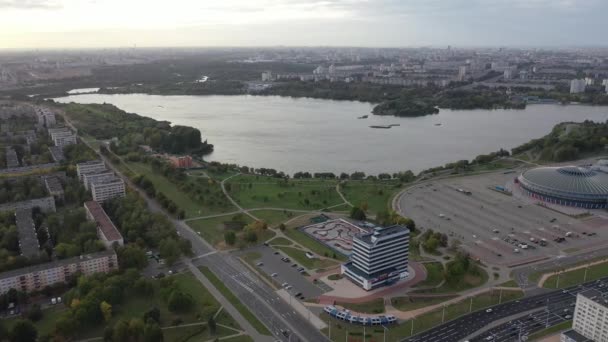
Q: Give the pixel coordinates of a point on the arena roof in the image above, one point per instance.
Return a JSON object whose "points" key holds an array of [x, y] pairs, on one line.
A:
{"points": [[569, 179]]}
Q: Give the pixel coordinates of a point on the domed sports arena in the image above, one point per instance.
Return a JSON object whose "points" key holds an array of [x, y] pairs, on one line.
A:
{"points": [[569, 185]]}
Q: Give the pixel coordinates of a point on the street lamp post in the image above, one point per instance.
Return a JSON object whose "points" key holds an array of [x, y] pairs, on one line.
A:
{"points": [[412, 331], [471, 305], [585, 277], [385, 329], [443, 314], [500, 297]]}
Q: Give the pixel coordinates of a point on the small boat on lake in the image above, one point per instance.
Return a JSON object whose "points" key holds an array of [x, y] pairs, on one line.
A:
{"points": [[438, 124], [363, 117], [381, 126]]}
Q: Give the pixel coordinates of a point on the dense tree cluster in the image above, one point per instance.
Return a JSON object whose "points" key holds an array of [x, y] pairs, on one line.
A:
{"points": [[146, 229], [21, 189], [105, 121], [568, 141]]}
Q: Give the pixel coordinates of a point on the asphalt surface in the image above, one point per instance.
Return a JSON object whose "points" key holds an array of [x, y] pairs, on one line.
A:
{"points": [[286, 273], [554, 301], [492, 225]]}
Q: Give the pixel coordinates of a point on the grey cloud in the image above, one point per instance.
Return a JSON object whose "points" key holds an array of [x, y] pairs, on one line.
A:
{"points": [[30, 4]]}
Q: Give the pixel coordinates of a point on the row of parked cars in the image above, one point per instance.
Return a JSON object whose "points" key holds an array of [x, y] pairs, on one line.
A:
{"points": [[345, 315]]}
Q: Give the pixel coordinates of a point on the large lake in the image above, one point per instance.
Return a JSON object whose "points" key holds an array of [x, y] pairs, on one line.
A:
{"points": [[304, 134]]}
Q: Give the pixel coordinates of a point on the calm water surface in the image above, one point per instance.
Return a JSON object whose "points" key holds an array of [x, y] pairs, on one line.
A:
{"points": [[323, 135]]}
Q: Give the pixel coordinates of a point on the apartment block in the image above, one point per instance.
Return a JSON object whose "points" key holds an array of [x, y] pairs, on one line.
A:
{"points": [[28, 239], [106, 230], [96, 177], [90, 166], [108, 189], [12, 160], [36, 278], [54, 187]]}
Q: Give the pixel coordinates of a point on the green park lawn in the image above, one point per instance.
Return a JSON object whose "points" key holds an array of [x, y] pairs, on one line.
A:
{"points": [[469, 280], [376, 194], [266, 192], [434, 274], [274, 217], [375, 306], [183, 200], [300, 257], [212, 229], [408, 303], [280, 241], [577, 276]]}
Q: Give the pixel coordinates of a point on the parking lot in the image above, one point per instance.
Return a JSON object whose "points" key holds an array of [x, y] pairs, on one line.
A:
{"points": [[285, 272], [493, 226]]}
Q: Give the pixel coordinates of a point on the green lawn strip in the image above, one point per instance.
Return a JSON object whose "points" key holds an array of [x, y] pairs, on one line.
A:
{"points": [[280, 241], [300, 257], [408, 303], [376, 194], [290, 194], [434, 274], [577, 276], [335, 277], [312, 244], [273, 217], [510, 283], [249, 316], [550, 331], [375, 306], [194, 333], [241, 338], [182, 199], [535, 277], [212, 229], [469, 281]]}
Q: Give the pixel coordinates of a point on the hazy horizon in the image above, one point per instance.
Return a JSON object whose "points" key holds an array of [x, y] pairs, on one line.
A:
{"points": [[74, 24]]}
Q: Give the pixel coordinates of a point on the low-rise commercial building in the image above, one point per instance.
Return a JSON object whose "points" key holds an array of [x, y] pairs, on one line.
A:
{"points": [[36, 278], [106, 230], [90, 166], [591, 315], [28, 239], [181, 162], [108, 189], [379, 257], [573, 336]]}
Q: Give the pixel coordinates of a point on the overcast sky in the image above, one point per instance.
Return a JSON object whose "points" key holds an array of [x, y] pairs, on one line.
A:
{"points": [[120, 23]]}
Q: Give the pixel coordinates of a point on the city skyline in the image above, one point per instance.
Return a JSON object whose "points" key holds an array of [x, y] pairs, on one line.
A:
{"points": [[379, 23]]}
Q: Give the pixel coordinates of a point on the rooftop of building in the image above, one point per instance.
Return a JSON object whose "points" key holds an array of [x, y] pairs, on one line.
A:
{"points": [[382, 232], [53, 184], [28, 240], [596, 296], [56, 263], [575, 336], [569, 179], [108, 181], [102, 219], [90, 162], [98, 173]]}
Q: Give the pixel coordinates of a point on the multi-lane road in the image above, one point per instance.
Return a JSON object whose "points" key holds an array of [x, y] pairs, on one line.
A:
{"points": [[546, 309], [284, 323]]}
